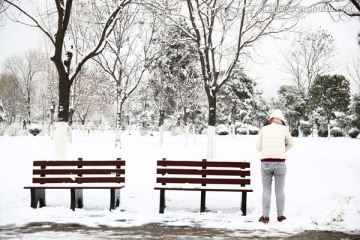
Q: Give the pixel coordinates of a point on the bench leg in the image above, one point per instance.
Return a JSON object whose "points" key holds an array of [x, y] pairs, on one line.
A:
{"points": [[203, 201], [114, 198], [37, 195], [243, 203], [162, 201], [76, 196]]}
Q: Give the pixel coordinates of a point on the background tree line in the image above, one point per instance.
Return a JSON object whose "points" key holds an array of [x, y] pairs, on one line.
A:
{"points": [[147, 66]]}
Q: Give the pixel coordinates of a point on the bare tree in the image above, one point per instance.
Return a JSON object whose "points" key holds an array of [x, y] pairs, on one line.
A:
{"points": [[310, 55], [126, 57], [224, 32], [63, 53], [91, 92], [25, 69], [354, 73], [11, 96]]}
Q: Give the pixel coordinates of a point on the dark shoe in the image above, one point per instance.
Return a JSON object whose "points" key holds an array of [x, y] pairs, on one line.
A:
{"points": [[281, 218], [264, 220]]}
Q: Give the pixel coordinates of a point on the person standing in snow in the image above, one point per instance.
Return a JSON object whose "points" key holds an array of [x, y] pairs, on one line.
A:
{"points": [[274, 139]]}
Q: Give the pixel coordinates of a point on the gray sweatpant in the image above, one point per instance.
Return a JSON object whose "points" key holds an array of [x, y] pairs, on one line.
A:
{"points": [[278, 170]]}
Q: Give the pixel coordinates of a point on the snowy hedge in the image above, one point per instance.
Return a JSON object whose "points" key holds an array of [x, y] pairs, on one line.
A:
{"points": [[253, 130], [222, 129], [34, 129], [336, 132], [323, 133], [305, 127], [354, 132], [241, 131]]}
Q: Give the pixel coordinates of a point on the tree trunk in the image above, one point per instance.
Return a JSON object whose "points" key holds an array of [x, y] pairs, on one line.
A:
{"points": [[161, 126], [212, 109], [60, 140], [119, 104], [328, 126], [232, 121], [118, 129], [28, 106], [211, 124], [186, 116], [71, 114], [64, 98], [187, 125], [61, 131]]}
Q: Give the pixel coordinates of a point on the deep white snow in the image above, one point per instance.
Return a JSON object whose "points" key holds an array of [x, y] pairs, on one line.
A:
{"points": [[322, 184]]}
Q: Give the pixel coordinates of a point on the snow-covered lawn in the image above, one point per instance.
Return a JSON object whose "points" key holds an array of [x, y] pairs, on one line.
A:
{"points": [[322, 185]]}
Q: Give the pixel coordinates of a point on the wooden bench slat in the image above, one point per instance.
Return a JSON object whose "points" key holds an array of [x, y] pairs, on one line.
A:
{"points": [[203, 180], [74, 187], [240, 173], [165, 163], [77, 171], [44, 180], [205, 189], [76, 175], [80, 163], [202, 176]]}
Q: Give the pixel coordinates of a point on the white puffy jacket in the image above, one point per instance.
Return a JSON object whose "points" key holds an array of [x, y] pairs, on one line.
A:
{"points": [[273, 141]]}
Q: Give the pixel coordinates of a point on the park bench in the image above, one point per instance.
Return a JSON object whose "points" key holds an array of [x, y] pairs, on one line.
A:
{"points": [[203, 176], [77, 175]]}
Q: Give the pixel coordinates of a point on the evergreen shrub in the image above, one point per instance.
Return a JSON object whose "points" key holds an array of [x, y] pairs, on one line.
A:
{"points": [[34, 129], [307, 131], [241, 131], [336, 132], [354, 132], [294, 132], [222, 129], [323, 133], [253, 130]]}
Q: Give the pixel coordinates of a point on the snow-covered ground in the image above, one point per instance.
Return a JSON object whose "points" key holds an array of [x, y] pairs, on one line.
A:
{"points": [[322, 185]]}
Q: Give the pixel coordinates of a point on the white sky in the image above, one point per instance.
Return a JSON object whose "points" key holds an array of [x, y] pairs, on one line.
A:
{"points": [[15, 38], [270, 73]]}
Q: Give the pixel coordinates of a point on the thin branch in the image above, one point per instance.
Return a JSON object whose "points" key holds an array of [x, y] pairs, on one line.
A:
{"points": [[33, 19]]}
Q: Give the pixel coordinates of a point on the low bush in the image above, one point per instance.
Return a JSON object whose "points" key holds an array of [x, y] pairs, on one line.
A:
{"points": [[34, 129], [323, 133], [253, 130], [336, 132], [306, 132], [222, 129], [294, 132], [241, 131], [353, 133]]}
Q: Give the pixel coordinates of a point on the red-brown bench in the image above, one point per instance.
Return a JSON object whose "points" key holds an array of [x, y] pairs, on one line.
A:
{"points": [[203, 176], [77, 175]]}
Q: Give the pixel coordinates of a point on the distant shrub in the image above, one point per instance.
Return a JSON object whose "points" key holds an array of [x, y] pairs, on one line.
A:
{"points": [[244, 130], [323, 133], [336, 132], [305, 128], [2, 128], [222, 129], [177, 131], [34, 129], [241, 131], [253, 130], [354, 132], [13, 130], [307, 131], [295, 132]]}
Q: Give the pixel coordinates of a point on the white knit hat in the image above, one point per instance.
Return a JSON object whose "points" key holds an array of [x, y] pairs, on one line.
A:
{"points": [[278, 114]]}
